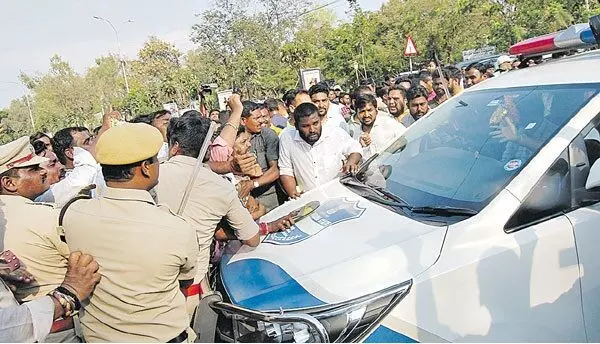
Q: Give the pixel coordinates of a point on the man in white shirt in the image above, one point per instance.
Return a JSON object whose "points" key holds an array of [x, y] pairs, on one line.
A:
{"points": [[86, 171], [315, 154], [73, 147], [375, 131], [331, 114]]}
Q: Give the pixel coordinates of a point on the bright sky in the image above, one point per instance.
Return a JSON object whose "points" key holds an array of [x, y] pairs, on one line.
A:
{"points": [[33, 31]]}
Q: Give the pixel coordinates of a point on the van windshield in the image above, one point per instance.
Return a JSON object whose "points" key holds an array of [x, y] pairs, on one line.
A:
{"points": [[469, 148]]}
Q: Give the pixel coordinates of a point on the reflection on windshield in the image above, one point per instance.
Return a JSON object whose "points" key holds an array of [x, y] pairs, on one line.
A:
{"points": [[472, 146]]}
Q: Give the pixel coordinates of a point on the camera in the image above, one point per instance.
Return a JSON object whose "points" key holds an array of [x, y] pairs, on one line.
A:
{"points": [[207, 88]]}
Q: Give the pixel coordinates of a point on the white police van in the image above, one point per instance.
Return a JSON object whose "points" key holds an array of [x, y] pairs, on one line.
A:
{"points": [[479, 224]]}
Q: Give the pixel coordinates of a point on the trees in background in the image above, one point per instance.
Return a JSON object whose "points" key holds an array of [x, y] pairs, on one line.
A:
{"points": [[260, 49]]}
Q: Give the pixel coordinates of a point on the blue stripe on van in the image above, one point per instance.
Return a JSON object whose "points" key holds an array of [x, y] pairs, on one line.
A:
{"points": [[261, 285], [385, 335]]}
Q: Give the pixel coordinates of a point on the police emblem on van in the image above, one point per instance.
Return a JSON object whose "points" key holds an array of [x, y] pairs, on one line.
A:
{"points": [[329, 213]]}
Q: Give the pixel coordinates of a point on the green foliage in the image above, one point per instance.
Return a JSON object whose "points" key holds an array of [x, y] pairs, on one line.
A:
{"points": [[260, 46]]}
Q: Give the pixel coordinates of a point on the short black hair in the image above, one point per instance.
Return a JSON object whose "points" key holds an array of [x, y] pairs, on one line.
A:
{"points": [[478, 66], [416, 92], [381, 91], [271, 104], [189, 132], [157, 114], [121, 173], [63, 140], [289, 97], [366, 82], [142, 119], [403, 79], [38, 136], [249, 108], [211, 111], [305, 110], [364, 99], [343, 94], [449, 72], [424, 75], [361, 90], [399, 89], [320, 87], [194, 113], [12, 173], [39, 147]]}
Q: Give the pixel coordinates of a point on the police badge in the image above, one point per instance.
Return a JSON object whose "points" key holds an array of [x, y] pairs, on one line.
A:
{"points": [[329, 213]]}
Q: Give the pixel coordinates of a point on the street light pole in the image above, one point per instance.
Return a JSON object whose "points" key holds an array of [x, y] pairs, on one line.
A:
{"points": [[118, 50]]}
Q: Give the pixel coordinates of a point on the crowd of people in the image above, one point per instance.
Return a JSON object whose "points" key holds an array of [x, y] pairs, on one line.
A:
{"points": [[109, 234]]}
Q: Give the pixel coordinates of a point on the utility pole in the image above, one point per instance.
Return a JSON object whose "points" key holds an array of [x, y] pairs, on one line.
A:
{"points": [[121, 61], [30, 112]]}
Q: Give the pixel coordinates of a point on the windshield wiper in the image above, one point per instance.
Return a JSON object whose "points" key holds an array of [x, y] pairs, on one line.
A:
{"points": [[376, 194], [444, 211], [382, 196], [362, 168]]}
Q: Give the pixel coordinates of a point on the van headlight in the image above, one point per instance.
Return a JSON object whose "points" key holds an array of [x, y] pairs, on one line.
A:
{"points": [[349, 321]]}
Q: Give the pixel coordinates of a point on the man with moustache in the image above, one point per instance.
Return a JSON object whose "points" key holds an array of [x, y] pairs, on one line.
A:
{"points": [[448, 79], [30, 228], [397, 106], [331, 114], [417, 102], [376, 131], [315, 154]]}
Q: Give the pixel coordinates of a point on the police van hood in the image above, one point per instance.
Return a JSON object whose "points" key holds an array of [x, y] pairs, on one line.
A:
{"points": [[347, 248]]}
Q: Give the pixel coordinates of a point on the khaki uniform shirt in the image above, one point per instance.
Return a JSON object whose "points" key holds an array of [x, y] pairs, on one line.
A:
{"points": [[211, 199], [31, 234], [143, 251]]}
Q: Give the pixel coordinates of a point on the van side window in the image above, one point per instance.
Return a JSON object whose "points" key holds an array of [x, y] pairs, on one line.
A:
{"points": [[584, 151], [550, 197]]}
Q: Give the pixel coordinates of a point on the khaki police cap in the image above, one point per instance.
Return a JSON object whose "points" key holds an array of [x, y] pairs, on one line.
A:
{"points": [[18, 153], [128, 143]]}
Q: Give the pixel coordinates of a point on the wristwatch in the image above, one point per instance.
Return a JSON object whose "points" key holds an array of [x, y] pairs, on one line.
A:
{"points": [[256, 184]]}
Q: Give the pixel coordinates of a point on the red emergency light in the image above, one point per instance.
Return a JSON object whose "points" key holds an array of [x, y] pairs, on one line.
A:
{"points": [[534, 45], [578, 36]]}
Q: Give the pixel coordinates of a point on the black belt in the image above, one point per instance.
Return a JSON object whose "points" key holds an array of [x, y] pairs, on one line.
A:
{"points": [[183, 336]]}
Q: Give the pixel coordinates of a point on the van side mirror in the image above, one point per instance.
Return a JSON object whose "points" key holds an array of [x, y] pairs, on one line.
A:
{"points": [[593, 180]]}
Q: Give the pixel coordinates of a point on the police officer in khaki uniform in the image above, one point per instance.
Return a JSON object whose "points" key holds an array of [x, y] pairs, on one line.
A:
{"points": [[145, 252], [30, 228], [211, 199]]}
